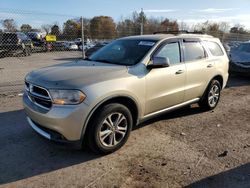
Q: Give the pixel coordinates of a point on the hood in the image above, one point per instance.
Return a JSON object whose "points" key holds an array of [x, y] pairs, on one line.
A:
{"points": [[239, 56], [75, 74]]}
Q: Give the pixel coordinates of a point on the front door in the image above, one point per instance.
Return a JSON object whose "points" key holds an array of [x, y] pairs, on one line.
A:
{"points": [[165, 86]]}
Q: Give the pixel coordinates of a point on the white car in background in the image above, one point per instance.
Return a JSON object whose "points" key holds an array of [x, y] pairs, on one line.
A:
{"points": [[86, 46], [71, 46]]}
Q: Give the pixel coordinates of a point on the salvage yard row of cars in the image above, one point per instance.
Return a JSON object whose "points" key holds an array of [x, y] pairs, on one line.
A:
{"points": [[12, 43]]}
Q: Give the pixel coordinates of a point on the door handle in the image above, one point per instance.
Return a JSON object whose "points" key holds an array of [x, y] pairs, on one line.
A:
{"points": [[210, 66], [179, 72]]}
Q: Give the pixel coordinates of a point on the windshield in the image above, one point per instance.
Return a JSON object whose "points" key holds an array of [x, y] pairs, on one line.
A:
{"points": [[244, 47], [123, 52]]}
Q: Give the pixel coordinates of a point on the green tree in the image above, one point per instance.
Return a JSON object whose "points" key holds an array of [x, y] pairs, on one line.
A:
{"points": [[26, 28], [137, 19], [71, 30], [125, 28], [86, 27], [102, 27], [55, 30], [238, 29]]}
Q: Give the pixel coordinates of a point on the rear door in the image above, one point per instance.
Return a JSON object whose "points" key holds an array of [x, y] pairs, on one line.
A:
{"points": [[200, 68], [165, 86]]}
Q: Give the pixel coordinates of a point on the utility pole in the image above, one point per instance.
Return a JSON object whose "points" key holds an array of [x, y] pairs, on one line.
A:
{"points": [[83, 48], [142, 14]]}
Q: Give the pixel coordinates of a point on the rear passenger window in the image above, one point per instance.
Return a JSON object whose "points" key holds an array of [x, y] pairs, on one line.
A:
{"points": [[193, 51], [214, 48], [170, 51]]}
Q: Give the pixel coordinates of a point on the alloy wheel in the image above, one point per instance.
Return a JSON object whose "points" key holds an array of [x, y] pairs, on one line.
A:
{"points": [[113, 129]]}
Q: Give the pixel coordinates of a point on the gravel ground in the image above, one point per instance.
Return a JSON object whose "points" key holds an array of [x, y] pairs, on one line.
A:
{"points": [[187, 147]]}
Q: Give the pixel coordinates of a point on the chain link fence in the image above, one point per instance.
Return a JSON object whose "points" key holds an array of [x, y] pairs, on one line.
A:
{"points": [[31, 40]]}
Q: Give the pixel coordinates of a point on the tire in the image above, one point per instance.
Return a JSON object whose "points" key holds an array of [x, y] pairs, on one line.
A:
{"points": [[101, 130], [212, 96]]}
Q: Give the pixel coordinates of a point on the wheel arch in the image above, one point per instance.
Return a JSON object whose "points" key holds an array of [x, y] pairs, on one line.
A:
{"points": [[217, 77], [127, 101]]}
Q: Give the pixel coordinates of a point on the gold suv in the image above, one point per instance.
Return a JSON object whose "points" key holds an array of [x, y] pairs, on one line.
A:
{"points": [[98, 100]]}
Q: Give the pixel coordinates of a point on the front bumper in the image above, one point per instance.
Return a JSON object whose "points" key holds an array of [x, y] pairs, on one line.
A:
{"points": [[62, 123], [53, 136], [39, 130]]}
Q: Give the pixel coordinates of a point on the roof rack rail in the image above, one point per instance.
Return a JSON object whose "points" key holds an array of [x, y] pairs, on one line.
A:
{"points": [[178, 32]]}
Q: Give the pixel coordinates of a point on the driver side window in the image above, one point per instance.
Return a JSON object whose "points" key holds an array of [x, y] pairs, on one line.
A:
{"points": [[170, 51]]}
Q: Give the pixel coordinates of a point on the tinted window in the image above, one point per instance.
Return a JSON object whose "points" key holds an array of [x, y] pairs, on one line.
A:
{"points": [[193, 51], [214, 48], [123, 52], [170, 51]]}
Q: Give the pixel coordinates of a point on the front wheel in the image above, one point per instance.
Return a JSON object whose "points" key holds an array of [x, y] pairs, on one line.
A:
{"points": [[212, 95], [110, 128]]}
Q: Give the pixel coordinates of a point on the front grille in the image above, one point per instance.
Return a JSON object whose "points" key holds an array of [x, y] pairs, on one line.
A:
{"points": [[40, 91], [39, 96], [42, 102]]}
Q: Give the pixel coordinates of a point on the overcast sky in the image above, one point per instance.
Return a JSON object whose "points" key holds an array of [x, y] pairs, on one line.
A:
{"points": [[36, 13]]}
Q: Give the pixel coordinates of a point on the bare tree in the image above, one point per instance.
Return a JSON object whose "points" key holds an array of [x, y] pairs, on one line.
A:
{"points": [[224, 26], [184, 26], [9, 25], [46, 28]]}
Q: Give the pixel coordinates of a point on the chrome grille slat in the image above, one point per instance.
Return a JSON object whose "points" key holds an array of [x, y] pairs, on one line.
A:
{"points": [[40, 96], [38, 99]]}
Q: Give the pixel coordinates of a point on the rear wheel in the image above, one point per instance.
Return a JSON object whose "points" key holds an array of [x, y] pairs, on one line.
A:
{"points": [[212, 95], [110, 128]]}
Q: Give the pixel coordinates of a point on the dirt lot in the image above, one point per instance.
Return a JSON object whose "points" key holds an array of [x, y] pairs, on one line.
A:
{"points": [[187, 147]]}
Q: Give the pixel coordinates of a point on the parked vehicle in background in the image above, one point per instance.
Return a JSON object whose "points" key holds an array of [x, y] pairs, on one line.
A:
{"points": [[58, 46], [95, 48], [16, 42], [71, 46], [38, 40], [233, 44], [98, 100], [240, 59], [78, 40], [80, 47]]}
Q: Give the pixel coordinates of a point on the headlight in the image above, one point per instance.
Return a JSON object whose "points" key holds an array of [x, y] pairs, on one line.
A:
{"points": [[67, 96]]}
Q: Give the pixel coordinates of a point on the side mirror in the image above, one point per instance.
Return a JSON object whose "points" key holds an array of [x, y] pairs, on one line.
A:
{"points": [[159, 62]]}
